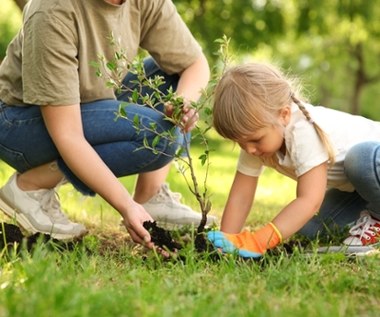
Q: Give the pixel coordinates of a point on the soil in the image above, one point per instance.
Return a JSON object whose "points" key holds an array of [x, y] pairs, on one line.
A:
{"points": [[12, 237], [161, 237], [201, 243]]}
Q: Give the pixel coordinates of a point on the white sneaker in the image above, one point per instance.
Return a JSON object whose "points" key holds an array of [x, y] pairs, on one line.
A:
{"points": [[365, 231], [38, 211], [165, 207]]}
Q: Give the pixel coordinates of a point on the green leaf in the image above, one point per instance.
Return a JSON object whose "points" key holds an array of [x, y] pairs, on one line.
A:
{"points": [[135, 96], [153, 126], [111, 65], [203, 158], [208, 111], [136, 120], [122, 110], [156, 140]]}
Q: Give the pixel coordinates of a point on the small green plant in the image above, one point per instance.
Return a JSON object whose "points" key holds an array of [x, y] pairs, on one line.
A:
{"points": [[112, 71]]}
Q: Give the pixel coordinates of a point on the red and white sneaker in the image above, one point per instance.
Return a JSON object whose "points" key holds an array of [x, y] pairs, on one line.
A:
{"points": [[365, 232]]}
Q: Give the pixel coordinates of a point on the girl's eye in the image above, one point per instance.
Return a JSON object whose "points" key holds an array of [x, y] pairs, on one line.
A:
{"points": [[256, 140]]}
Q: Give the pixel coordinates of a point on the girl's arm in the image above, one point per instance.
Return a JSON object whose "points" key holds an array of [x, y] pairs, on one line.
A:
{"points": [[311, 188], [64, 124], [239, 203], [310, 193]]}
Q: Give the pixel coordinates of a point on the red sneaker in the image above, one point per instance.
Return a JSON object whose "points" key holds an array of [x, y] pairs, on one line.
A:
{"points": [[365, 232]]}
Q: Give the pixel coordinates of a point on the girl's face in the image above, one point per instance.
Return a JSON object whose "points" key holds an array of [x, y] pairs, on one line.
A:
{"points": [[264, 142]]}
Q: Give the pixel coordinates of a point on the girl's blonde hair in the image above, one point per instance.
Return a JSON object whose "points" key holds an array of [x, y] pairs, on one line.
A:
{"points": [[250, 96]]}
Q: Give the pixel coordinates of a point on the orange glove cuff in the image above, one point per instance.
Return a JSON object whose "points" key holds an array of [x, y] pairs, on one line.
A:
{"points": [[277, 232], [265, 238]]}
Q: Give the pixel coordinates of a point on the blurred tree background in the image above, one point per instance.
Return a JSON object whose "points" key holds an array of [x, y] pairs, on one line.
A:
{"points": [[333, 46]]}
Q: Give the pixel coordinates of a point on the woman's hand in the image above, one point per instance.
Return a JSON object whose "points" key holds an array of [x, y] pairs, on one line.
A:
{"points": [[133, 221], [184, 115], [189, 119]]}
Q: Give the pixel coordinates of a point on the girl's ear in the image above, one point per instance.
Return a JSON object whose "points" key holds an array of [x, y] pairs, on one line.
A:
{"points": [[285, 114]]}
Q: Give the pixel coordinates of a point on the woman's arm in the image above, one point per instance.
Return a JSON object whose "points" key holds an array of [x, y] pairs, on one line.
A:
{"points": [[311, 188], [194, 78], [239, 203], [190, 85], [64, 124]]}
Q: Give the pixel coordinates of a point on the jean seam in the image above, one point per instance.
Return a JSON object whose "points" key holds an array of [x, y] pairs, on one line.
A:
{"points": [[375, 169]]}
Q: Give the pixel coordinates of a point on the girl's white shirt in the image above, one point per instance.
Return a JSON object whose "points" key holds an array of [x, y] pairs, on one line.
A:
{"points": [[304, 149]]}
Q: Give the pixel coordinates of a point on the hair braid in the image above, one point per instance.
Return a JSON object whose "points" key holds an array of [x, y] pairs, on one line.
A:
{"points": [[322, 135]]}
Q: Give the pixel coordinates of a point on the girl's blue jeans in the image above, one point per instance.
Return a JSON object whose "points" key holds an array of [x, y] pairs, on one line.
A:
{"points": [[25, 142], [339, 209]]}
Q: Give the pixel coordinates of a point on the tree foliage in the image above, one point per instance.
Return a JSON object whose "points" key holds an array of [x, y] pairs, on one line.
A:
{"points": [[247, 23], [333, 44], [347, 33]]}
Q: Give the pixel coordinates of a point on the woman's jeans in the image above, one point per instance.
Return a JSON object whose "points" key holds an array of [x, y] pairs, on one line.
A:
{"points": [[339, 209], [25, 142]]}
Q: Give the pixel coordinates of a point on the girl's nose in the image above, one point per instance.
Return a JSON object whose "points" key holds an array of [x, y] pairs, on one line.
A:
{"points": [[250, 149]]}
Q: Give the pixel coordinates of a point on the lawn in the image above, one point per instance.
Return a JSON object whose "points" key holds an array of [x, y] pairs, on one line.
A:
{"points": [[108, 275]]}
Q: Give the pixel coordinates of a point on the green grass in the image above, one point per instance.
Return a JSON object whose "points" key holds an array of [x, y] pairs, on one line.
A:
{"points": [[108, 275]]}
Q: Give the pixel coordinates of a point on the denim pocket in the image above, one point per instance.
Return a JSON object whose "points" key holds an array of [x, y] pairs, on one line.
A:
{"points": [[14, 159], [17, 115]]}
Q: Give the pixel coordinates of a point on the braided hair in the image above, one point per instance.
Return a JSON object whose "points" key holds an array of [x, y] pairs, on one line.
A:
{"points": [[322, 135]]}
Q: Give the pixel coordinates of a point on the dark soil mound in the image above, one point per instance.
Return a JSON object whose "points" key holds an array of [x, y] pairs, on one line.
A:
{"points": [[11, 235], [161, 237]]}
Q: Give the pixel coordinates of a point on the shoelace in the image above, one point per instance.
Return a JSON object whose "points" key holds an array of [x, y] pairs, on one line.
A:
{"points": [[50, 204], [168, 193], [365, 227]]}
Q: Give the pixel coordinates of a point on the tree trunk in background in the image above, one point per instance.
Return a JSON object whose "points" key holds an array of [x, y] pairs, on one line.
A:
{"points": [[362, 78], [21, 3]]}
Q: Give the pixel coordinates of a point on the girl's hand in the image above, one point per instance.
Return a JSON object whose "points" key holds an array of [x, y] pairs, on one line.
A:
{"points": [[246, 244]]}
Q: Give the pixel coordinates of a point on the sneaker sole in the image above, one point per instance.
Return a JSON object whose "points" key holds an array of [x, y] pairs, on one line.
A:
{"points": [[349, 250], [24, 223], [19, 219]]}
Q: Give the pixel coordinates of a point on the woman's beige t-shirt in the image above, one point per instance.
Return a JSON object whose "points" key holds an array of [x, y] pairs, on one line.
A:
{"points": [[49, 61]]}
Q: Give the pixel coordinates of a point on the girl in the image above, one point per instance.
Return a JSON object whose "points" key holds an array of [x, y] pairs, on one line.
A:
{"points": [[260, 109]]}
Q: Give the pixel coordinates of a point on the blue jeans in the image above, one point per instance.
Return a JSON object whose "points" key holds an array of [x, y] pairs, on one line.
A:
{"points": [[25, 142], [339, 209]]}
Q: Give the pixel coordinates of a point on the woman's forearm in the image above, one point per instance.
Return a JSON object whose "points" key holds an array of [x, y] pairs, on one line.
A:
{"points": [[193, 79]]}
